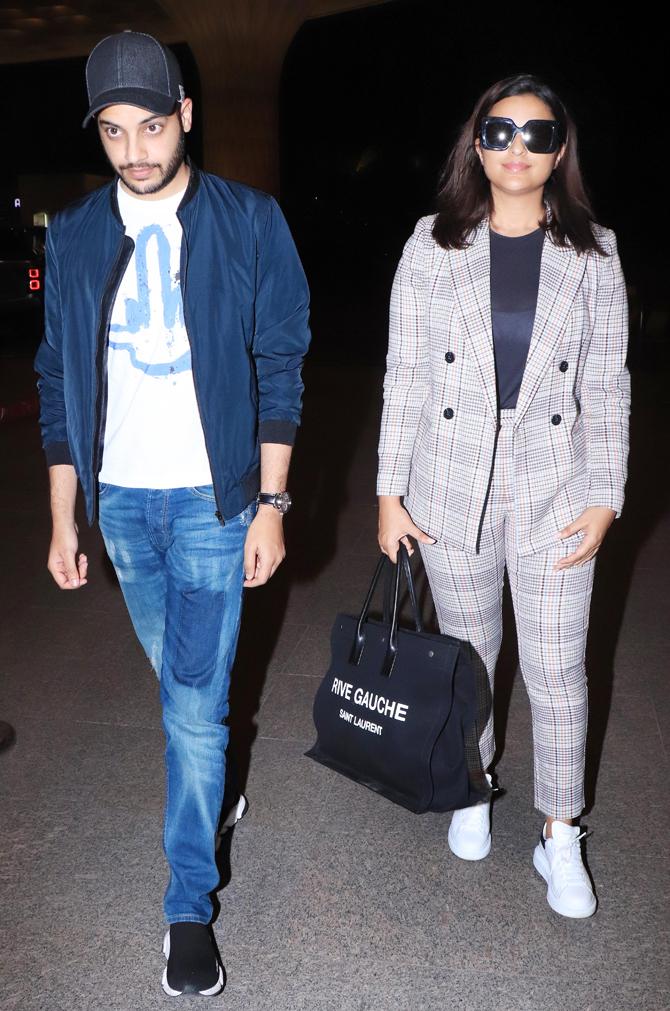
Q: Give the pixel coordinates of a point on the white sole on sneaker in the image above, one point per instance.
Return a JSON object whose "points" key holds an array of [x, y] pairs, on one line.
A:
{"points": [[235, 813], [218, 986], [469, 854], [541, 865]]}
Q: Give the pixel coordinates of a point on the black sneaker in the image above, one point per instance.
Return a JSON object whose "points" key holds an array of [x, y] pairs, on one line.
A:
{"points": [[193, 963]]}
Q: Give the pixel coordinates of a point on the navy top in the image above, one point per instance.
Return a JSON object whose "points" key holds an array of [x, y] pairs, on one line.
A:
{"points": [[515, 279]]}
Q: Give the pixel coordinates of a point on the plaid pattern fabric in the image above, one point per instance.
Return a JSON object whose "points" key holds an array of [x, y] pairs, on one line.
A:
{"points": [[551, 611], [439, 422]]}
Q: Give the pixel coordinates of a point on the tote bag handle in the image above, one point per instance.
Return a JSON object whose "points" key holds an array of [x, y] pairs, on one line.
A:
{"points": [[391, 602]]}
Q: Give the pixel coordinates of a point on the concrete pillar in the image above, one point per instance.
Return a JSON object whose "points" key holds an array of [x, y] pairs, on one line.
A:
{"points": [[239, 46]]}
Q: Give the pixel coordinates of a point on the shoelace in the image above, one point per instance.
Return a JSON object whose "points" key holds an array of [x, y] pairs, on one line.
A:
{"points": [[476, 816], [569, 863]]}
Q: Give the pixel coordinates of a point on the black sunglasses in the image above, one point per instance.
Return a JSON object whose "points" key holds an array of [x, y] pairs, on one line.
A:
{"points": [[541, 136]]}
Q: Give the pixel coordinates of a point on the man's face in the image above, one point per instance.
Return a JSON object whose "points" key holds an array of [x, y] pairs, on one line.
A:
{"points": [[146, 149]]}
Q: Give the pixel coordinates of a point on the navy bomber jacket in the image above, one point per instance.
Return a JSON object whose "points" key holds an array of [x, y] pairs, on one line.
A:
{"points": [[246, 310]]}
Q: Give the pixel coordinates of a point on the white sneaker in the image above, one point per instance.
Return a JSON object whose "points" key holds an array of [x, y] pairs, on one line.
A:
{"points": [[559, 861], [469, 834], [236, 812]]}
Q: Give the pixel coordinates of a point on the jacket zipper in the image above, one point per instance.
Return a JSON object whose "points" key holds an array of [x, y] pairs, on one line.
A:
{"points": [[183, 268], [102, 349]]}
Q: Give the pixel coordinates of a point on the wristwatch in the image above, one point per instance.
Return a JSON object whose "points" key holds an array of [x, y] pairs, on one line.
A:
{"points": [[281, 500]]}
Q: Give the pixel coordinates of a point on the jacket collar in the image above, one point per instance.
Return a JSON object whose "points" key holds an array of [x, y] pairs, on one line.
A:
{"points": [[191, 189], [561, 272], [192, 185]]}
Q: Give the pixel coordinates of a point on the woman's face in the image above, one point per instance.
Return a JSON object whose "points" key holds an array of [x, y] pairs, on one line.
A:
{"points": [[517, 170]]}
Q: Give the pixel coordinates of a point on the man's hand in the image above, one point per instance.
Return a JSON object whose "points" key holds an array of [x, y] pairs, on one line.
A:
{"points": [[395, 525], [264, 549], [68, 571], [594, 522]]}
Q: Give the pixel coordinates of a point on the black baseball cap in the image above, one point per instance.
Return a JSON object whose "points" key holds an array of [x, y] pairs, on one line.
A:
{"points": [[131, 68]]}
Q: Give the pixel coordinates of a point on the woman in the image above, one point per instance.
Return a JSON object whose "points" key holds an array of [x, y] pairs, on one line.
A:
{"points": [[504, 436]]}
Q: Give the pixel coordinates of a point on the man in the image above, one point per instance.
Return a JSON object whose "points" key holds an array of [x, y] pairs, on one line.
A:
{"points": [[170, 386]]}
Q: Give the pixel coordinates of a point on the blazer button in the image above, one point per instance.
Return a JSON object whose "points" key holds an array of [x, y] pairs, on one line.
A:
{"points": [[450, 357], [449, 413], [556, 419], [563, 366]]}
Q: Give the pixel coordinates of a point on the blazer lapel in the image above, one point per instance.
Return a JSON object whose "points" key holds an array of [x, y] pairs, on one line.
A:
{"points": [[561, 272], [471, 276]]}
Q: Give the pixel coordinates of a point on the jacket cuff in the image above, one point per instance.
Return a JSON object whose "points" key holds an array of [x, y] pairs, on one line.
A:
{"points": [[391, 484], [276, 430], [602, 504], [605, 494], [57, 452]]}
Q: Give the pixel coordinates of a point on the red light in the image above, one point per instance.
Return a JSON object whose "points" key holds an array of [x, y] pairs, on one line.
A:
{"points": [[33, 272], [34, 285]]}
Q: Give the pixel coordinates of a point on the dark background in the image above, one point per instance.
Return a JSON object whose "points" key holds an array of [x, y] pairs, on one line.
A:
{"points": [[43, 106], [373, 100], [370, 104]]}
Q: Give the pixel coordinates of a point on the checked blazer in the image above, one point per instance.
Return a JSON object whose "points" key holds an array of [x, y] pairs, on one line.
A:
{"points": [[441, 419]]}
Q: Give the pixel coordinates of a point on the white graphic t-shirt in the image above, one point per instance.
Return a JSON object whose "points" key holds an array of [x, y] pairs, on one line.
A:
{"points": [[153, 432]]}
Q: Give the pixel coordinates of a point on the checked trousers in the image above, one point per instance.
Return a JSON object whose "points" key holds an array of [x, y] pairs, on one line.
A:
{"points": [[551, 611]]}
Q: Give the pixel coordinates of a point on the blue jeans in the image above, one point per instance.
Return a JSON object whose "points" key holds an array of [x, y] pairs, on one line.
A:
{"points": [[182, 574]]}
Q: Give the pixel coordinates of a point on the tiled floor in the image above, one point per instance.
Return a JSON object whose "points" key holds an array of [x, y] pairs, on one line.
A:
{"points": [[337, 900]]}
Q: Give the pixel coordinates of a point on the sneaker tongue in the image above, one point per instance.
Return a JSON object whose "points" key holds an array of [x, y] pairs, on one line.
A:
{"points": [[192, 950], [562, 832]]}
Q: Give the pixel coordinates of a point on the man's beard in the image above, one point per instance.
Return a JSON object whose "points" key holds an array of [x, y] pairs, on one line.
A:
{"points": [[167, 174]]}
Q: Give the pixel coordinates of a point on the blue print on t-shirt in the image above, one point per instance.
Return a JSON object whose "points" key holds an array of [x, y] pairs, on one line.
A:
{"points": [[138, 310], [182, 364]]}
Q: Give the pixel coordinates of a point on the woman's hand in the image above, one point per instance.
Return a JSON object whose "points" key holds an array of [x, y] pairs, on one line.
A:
{"points": [[594, 522], [395, 525]]}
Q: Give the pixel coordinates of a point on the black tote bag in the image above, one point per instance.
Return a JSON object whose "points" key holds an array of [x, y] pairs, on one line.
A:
{"points": [[393, 711]]}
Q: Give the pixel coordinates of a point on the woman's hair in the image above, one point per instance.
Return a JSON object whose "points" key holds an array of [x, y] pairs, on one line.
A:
{"points": [[464, 192]]}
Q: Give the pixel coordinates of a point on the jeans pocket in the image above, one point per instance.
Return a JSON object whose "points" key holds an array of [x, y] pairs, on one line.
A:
{"points": [[103, 488], [204, 491]]}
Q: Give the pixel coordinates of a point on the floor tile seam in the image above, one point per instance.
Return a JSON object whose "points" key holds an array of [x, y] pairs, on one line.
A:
{"points": [[117, 725], [312, 677], [298, 741], [661, 736], [290, 741], [636, 615], [90, 600], [631, 690], [71, 720], [640, 577], [295, 646], [308, 676], [275, 679], [271, 678], [429, 963], [115, 618], [430, 966]]}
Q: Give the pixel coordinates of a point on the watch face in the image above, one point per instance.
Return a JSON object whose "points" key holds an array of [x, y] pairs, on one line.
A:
{"points": [[283, 501]]}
